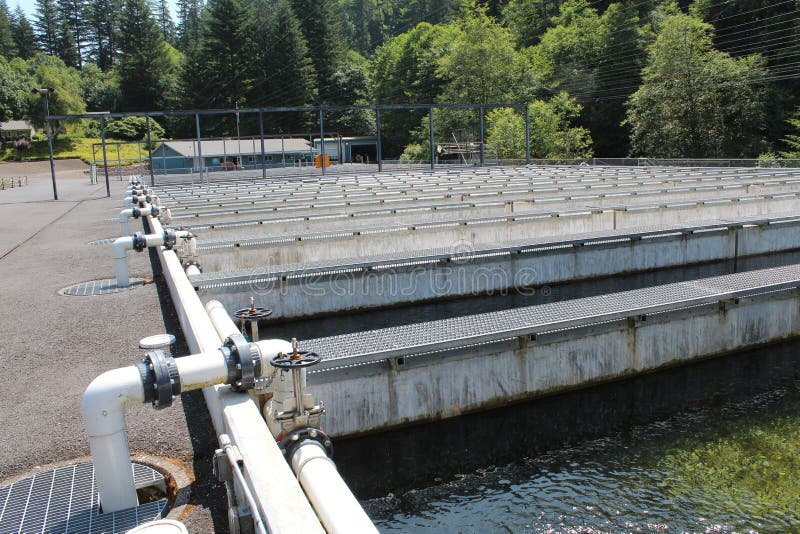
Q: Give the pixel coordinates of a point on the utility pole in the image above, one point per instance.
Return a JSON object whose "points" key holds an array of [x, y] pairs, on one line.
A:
{"points": [[45, 92]]}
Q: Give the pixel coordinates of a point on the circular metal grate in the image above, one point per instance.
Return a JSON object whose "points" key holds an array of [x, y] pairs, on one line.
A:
{"points": [[104, 241], [65, 500], [100, 287]]}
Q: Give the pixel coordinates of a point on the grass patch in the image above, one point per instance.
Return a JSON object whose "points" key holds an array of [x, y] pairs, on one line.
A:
{"points": [[66, 147]]}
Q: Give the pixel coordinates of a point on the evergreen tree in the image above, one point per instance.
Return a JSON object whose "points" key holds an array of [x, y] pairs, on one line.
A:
{"points": [[282, 73], [47, 26], [225, 55], [24, 37], [189, 24], [367, 23], [319, 22], [147, 65], [164, 20], [433, 11], [67, 49], [103, 24], [8, 47], [73, 14]]}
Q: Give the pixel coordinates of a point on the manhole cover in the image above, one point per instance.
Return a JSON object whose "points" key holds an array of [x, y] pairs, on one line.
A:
{"points": [[100, 287], [104, 241], [65, 500]]}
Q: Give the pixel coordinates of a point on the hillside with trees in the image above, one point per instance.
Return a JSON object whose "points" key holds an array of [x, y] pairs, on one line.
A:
{"points": [[692, 79]]}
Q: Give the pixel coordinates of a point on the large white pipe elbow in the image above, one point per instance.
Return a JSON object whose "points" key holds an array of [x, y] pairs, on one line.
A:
{"points": [[119, 250], [103, 408], [333, 501], [124, 216]]}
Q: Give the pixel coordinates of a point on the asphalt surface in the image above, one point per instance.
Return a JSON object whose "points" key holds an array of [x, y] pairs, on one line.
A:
{"points": [[53, 345]]}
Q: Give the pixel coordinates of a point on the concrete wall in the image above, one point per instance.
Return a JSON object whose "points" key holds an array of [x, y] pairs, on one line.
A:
{"points": [[304, 249], [385, 395], [333, 292]]}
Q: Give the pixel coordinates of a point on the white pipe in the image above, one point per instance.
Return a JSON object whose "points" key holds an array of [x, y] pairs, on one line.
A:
{"points": [[103, 407], [269, 476], [192, 270], [333, 501], [121, 245], [118, 251], [135, 198], [126, 214], [222, 322]]}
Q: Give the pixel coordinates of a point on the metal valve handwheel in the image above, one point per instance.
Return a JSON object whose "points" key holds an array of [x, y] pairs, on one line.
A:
{"points": [[251, 314], [296, 360]]}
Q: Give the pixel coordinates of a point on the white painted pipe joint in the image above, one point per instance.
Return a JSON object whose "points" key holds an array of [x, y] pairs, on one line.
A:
{"points": [[135, 213], [158, 379], [137, 199], [139, 242]]}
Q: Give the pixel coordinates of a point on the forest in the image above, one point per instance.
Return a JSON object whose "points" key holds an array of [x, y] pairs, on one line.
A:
{"points": [[649, 78]]}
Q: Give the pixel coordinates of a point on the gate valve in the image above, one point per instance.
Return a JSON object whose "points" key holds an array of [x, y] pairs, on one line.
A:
{"points": [[295, 362], [251, 316]]}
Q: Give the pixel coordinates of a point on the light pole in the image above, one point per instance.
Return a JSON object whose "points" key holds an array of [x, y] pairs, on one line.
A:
{"points": [[45, 92]]}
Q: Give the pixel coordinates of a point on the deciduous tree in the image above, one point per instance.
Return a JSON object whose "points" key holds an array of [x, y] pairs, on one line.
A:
{"points": [[696, 102]]}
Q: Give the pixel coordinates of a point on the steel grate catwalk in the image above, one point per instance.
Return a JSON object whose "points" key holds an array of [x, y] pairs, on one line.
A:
{"points": [[415, 339], [64, 500], [100, 287]]}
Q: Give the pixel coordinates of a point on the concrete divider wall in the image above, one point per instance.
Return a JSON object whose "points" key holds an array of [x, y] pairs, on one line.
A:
{"points": [[381, 396], [301, 248], [240, 225], [299, 294]]}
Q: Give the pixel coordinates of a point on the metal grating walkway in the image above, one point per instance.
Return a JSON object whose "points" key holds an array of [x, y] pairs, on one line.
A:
{"points": [[415, 339], [64, 500]]}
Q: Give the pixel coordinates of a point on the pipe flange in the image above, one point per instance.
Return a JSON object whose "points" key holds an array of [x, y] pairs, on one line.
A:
{"points": [[189, 263], [139, 242], [136, 212], [247, 366], [169, 238], [154, 210], [160, 379], [296, 360], [252, 314], [294, 438]]}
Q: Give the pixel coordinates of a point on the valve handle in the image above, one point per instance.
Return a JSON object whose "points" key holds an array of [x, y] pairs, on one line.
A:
{"points": [[296, 360], [252, 313]]}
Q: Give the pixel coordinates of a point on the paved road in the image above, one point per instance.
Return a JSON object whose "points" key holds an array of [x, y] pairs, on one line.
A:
{"points": [[53, 345]]}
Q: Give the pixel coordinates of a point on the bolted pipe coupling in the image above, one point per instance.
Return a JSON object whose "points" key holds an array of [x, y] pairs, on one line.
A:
{"points": [[160, 379], [136, 212], [139, 242], [244, 363], [170, 238], [289, 443]]}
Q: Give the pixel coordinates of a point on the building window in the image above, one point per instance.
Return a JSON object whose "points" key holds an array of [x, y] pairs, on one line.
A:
{"points": [[251, 159]]}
